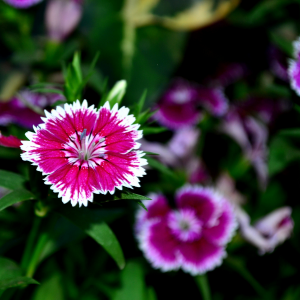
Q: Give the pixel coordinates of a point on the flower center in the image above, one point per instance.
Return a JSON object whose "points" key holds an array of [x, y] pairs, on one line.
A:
{"points": [[85, 147], [185, 225], [181, 96]]}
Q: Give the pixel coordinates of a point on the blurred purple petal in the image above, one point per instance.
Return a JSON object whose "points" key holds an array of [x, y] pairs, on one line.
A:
{"points": [[214, 100], [177, 108], [268, 232], [228, 74], [22, 3], [278, 63], [184, 141], [17, 109], [62, 17]]}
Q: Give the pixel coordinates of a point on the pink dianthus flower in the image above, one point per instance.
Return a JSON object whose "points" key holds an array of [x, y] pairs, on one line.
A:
{"points": [[84, 151], [192, 237]]}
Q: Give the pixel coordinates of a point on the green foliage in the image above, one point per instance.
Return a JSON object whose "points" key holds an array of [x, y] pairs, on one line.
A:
{"points": [[14, 197], [11, 275], [11, 180], [92, 222], [281, 154], [133, 284]]}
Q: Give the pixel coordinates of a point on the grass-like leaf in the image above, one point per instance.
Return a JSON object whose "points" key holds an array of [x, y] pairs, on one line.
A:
{"points": [[15, 197], [92, 222], [11, 180]]}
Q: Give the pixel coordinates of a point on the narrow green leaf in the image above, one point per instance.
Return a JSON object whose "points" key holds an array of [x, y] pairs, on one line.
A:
{"points": [[50, 91], [155, 164], [140, 105], [140, 203], [203, 285], [284, 45], [9, 269], [133, 283], [58, 103], [11, 180], [151, 295], [92, 223], [131, 196], [150, 153], [293, 132], [15, 282], [117, 92], [44, 84], [51, 288], [15, 197], [153, 130], [77, 66], [238, 265]]}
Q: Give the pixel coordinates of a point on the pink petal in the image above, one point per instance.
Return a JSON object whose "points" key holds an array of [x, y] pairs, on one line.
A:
{"points": [[201, 200], [160, 247], [222, 232], [200, 256], [10, 141]]}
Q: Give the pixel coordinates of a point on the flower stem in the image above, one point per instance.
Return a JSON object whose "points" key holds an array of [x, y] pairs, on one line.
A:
{"points": [[203, 285], [30, 242], [36, 254]]}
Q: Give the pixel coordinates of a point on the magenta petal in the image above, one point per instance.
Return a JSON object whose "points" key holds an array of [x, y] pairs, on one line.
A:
{"points": [[160, 247], [200, 256], [10, 141], [158, 207], [199, 199], [213, 100], [175, 116], [222, 232]]}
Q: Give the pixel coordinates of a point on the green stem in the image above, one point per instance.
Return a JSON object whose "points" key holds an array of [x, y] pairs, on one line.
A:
{"points": [[36, 254], [203, 285], [30, 242]]}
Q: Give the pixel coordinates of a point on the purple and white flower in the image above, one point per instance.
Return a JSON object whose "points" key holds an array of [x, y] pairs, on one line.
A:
{"points": [[62, 17], [213, 100], [294, 68], [177, 108], [268, 232], [18, 110], [192, 237], [84, 151], [22, 3]]}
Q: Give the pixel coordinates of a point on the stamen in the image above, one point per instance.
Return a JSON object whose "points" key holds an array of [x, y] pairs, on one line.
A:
{"points": [[101, 140], [83, 135]]}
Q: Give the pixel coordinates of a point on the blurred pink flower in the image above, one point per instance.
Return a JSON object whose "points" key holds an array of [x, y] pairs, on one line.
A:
{"points": [[22, 3], [294, 68], [180, 153], [62, 17], [268, 232], [278, 63], [252, 136], [17, 109], [177, 108], [228, 74], [213, 100], [192, 237]]}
